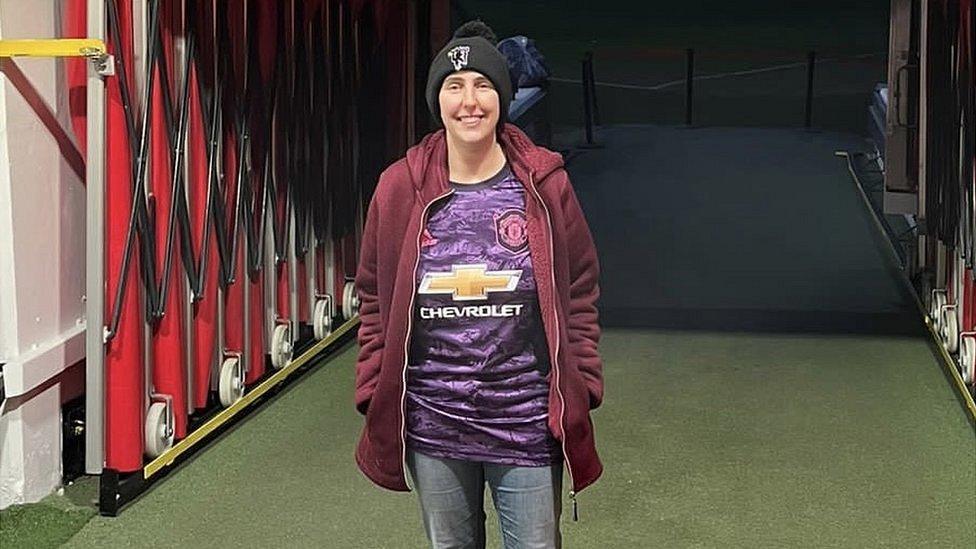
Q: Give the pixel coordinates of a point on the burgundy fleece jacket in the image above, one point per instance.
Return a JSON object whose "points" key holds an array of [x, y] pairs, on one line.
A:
{"points": [[567, 273]]}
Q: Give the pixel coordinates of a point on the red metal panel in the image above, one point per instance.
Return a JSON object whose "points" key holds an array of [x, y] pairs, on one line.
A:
{"points": [[205, 308], [303, 312], [233, 292], [168, 343], [124, 383], [283, 308], [258, 345]]}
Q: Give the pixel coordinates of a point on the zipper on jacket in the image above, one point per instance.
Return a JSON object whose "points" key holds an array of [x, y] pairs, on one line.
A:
{"points": [[554, 356], [406, 343]]}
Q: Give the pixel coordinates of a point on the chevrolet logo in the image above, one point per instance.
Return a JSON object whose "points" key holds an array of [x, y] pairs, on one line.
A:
{"points": [[469, 282]]}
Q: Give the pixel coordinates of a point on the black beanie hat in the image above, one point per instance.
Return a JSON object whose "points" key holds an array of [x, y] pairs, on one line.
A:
{"points": [[473, 48]]}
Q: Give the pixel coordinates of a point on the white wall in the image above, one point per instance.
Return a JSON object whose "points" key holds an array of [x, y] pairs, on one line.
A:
{"points": [[31, 455], [42, 273]]}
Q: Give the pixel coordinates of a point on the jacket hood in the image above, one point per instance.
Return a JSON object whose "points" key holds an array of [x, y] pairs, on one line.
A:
{"points": [[427, 160]]}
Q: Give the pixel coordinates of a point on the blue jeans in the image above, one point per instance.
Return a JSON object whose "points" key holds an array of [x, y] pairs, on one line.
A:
{"points": [[527, 499]]}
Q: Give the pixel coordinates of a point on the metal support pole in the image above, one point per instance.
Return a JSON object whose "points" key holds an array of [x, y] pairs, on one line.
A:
{"points": [[330, 262], [245, 280], [94, 262], [811, 61], [587, 100], [311, 287], [270, 280], [292, 274], [595, 104], [689, 86]]}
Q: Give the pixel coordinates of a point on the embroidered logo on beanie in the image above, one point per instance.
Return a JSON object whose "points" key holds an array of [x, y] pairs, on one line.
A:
{"points": [[459, 56]]}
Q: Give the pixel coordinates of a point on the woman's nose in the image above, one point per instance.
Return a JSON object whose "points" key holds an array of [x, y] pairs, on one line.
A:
{"points": [[468, 98]]}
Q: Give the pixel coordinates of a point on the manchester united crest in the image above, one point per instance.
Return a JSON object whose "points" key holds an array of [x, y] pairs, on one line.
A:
{"points": [[510, 230]]}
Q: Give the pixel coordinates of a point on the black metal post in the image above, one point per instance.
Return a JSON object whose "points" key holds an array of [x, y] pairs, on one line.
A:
{"points": [[689, 86], [109, 499], [595, 105], [587, 105], [808, 115]]}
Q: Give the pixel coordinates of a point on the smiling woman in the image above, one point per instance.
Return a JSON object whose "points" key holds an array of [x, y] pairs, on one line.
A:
{"points": [[460, 373], [468, 92], [469, 106]]}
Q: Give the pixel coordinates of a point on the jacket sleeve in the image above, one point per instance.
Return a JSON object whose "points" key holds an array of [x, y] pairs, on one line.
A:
{"points": [[370, 335], [584, 290]]}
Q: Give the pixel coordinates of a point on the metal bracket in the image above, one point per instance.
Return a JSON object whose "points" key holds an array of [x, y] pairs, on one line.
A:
{"points": [[170, 414], [233, 354], [103, 63], [331, 302]]}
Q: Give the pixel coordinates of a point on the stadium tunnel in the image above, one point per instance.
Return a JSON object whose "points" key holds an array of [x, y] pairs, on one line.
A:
{"points": [[184, 184]]}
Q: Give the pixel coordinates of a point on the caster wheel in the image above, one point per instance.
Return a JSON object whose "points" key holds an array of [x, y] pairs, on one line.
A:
{"points": [[950, 329], [350, 301], [159, 435], [967, 359], [322, 318], [281, 347], [231, 382], [935, 307]]}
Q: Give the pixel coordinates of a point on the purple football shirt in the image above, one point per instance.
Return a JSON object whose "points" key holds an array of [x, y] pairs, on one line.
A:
{"points": [[477, 375]]}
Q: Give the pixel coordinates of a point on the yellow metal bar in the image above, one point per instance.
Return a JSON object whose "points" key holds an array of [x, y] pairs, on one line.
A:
{"points": [[55, 47], [169, 456]]}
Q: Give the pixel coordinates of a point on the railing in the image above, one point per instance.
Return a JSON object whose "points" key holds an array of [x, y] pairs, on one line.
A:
{"points": [[812, 90]]}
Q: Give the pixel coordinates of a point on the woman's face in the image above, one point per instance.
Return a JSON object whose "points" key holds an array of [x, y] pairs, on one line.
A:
{"points": [[469, 106]]}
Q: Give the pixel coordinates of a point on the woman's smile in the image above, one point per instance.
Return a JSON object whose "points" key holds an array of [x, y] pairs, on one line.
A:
{"points": [[471, 121]]}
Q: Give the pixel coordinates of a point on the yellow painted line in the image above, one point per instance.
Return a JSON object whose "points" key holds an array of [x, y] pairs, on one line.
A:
{"points": [[55, 47], [947, 361], [169, 456]]}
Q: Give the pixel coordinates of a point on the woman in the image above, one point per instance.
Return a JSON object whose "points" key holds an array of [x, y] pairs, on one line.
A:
{"points": [[478, 285]]}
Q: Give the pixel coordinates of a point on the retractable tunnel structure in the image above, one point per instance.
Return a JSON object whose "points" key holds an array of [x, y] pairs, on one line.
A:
{"points": [[225, 150], [927, 153]]}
